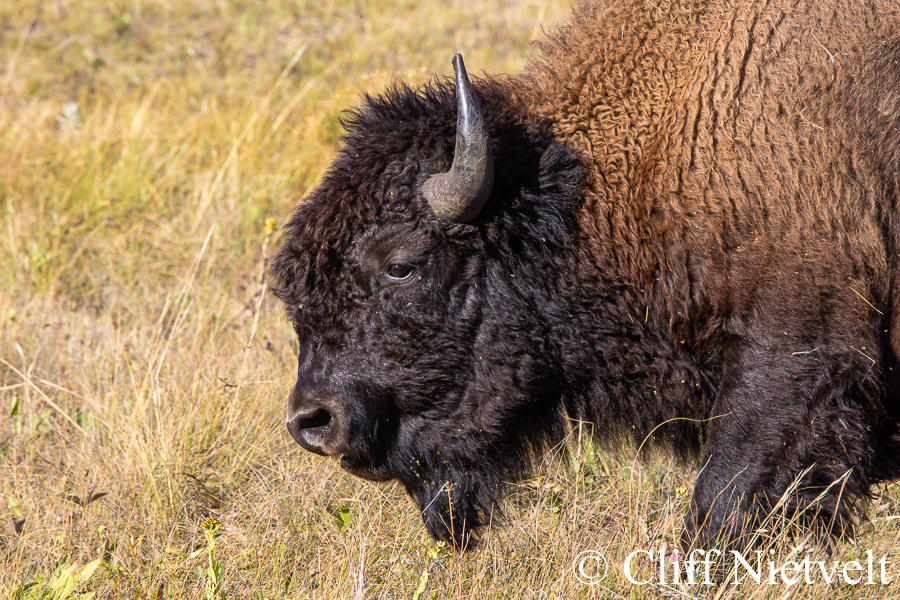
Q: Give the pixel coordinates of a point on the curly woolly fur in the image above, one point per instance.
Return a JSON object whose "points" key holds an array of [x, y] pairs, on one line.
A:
{"points": [[693, 237]]}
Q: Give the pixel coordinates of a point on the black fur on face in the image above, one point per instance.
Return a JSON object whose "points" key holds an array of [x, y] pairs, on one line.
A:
{"points": [[423, 346]]}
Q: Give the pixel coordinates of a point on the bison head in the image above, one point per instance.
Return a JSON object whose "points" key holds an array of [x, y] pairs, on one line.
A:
{"points": [[421, 278]]}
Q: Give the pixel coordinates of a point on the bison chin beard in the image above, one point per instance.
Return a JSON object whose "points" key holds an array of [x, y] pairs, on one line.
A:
{"points": [[456, 503], [458, 475]]}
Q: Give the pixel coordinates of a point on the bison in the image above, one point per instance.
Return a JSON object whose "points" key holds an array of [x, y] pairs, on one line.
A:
{"points": [[680, 224]]}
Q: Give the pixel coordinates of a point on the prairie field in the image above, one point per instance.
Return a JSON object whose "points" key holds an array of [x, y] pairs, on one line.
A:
{"points": [[149, 152]]}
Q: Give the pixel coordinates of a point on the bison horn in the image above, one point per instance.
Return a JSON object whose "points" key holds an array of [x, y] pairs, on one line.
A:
{"points": [[459, 194]]}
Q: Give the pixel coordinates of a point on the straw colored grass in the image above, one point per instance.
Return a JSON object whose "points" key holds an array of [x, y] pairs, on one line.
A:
{"points": [[150, 149]]}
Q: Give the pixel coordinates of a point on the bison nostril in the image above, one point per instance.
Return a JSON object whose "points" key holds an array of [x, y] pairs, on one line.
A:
{"points": [[312, 430], [321, 418]]}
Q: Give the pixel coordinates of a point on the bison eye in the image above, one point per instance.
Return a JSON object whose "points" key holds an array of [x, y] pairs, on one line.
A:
{"points": [[397, 272]]}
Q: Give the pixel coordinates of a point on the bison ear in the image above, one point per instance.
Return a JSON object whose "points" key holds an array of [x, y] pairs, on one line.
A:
{"points": [[561, 175], [459, 194]]}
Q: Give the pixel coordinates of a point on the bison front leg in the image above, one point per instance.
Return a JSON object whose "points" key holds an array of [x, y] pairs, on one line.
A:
{"points": [[785, 424]]}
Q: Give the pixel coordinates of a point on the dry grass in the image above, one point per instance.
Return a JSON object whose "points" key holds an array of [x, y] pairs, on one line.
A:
{"points": [[146, 145]]}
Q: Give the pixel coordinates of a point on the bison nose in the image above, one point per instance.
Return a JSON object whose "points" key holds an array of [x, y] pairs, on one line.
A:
{"points": [[312, 429], [316, 419]]}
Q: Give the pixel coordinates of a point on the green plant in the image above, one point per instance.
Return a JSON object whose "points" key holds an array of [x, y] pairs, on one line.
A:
{"points": [[61, 584], [213, 575]]}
